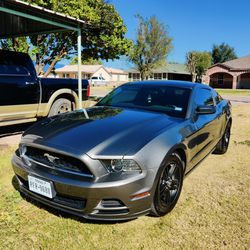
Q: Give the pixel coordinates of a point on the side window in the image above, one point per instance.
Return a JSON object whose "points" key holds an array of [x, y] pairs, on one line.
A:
{"points": [[217, 97], [204, 97], [18, 65]]}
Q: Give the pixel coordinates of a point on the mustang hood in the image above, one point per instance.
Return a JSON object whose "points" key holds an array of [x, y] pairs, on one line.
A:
{"points": [[108, 131]]}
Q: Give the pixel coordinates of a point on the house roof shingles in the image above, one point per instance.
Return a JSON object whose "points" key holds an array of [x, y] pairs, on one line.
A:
{"points": [[116, 71], [169, 68], [74, 68], [242, 63], [89, 69]]}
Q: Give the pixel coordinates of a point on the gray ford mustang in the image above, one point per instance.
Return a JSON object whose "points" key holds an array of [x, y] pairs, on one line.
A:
{"points": [[130, 156]]}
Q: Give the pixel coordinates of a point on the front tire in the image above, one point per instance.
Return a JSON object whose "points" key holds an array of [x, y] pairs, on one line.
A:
{"points": [[60, 106], [169, 186]]}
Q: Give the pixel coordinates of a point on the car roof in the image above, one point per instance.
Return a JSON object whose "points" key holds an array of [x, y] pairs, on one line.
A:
{"points": [[184, 84]]}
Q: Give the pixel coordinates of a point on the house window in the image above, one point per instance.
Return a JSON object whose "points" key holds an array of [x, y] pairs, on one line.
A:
{"points": [[158, 76], [151, 77], [85, 76], [136, 76], [164, 76], [220, 78]]}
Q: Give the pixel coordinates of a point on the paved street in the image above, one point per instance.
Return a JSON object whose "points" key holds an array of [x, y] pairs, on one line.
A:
{"points": [[238, 99]]}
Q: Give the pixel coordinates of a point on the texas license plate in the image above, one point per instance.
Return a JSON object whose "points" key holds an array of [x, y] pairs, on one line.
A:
{"points": [[40, 186]]}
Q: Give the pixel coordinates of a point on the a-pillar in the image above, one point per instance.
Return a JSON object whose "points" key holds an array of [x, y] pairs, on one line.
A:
{"points": [[235, 82]]}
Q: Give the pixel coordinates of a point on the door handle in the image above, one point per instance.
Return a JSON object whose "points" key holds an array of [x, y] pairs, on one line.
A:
{"points": [[29, 83]]}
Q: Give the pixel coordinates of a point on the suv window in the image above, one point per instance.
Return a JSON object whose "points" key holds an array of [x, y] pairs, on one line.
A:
{"points": [[9, 65], [12, 63], [204, 97]]}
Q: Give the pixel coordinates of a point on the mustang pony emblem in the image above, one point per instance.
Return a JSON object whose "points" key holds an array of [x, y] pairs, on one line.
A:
{"points": [[51, 158]]}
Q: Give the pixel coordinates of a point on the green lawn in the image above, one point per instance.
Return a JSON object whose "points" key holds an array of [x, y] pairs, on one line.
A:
{"points": [[234, 92], [213, 211]]}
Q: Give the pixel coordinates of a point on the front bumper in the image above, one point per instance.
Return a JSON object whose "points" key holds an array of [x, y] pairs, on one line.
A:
{"points": [[106, 199]]}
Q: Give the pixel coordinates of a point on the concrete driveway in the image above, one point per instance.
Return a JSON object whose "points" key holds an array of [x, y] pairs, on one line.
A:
{"points": [[238, 99], [11, 135]]}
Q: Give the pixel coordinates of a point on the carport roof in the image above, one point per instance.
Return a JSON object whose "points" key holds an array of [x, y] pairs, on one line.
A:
{"points": [[18, 18]]}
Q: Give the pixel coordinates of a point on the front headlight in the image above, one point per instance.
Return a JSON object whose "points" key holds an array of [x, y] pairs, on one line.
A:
{"points": [[122, 165], [22, 152]]}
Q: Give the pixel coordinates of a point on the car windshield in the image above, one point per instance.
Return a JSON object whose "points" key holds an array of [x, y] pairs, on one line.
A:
{"points": [[170, 100]]}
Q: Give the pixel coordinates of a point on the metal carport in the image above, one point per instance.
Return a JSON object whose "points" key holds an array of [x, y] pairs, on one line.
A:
{"points": [[18, 18]]}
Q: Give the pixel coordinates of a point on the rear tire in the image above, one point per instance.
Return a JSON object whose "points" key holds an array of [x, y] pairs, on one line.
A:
{"points": [[169, 186], [60, 106], [222, 146]]}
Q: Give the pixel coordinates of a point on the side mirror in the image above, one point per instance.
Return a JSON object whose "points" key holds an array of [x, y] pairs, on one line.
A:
{"points": [[205, 110]]}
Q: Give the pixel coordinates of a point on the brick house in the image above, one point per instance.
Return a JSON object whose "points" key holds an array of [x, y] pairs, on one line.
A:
{"points": [[234, 74]]}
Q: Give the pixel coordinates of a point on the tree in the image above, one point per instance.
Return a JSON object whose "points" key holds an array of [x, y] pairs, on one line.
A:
{"points": [[204, 61], [90, 61], [222, 53], [151, 47], [103, 38], [191, 63], [16, 44], [197, 63]]}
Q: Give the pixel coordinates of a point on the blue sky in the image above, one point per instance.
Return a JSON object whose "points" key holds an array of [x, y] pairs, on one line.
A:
{"points": [[193, 24]]}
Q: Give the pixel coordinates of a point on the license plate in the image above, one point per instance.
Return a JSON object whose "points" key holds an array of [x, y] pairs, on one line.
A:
{"points": [[40, 186]]}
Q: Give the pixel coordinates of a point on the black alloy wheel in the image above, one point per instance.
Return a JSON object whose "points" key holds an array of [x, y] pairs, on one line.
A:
{"points": [[226, 138], [222, 146], [169, 186]]}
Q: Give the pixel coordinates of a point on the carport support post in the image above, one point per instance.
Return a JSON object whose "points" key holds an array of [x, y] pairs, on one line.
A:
{"points": [[79, 47]]}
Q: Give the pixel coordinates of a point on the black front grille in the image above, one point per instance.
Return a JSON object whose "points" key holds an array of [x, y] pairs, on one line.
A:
{"points": [[111, 203], [112, 212], [70, 202], [59, 199], [58, 161]]}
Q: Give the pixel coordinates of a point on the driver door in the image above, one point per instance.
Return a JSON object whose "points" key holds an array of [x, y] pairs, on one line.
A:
{"points": [[206, 125]]}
